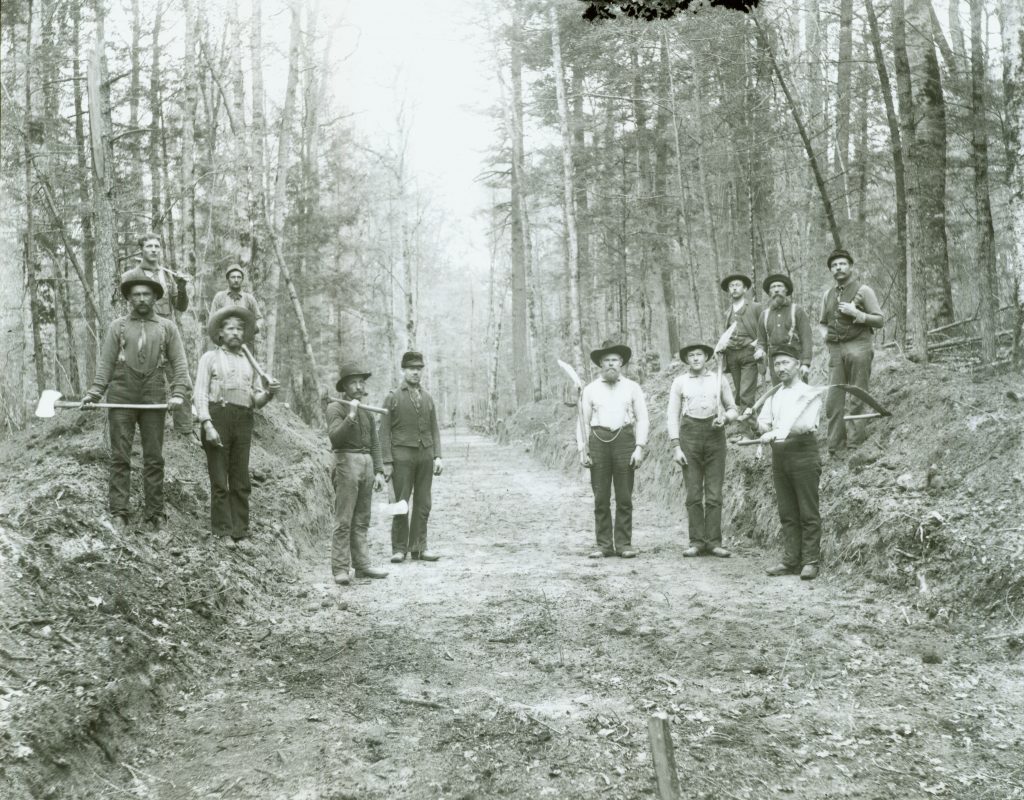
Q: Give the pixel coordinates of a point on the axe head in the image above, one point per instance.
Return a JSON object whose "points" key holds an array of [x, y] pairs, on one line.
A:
{"points": [[45, 408]]}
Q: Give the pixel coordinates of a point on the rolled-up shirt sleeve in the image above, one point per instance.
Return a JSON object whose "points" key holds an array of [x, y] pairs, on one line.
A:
{"points": [[201, 392], [675, 407], [643, 421]]}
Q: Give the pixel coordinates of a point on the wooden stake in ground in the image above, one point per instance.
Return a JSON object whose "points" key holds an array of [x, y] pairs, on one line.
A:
{"points": [[664, 756]]}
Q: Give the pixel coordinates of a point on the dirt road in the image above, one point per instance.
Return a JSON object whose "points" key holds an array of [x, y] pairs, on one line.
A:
{"points": [[517, 667]]}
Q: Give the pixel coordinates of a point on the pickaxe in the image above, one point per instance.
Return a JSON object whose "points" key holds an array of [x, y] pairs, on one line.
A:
{"points": [[49, 402]]}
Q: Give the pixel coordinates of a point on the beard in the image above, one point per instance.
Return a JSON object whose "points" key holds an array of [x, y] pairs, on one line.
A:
{"points": [[779, 301]]}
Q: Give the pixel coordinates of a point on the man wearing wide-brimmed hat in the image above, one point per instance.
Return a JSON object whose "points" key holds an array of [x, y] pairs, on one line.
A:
{"points": [[615, 420], [741, 353], [228, 389], [783, 322], [130, 369], [358, 472], [411, 446], [699, 405], [235, 296]]}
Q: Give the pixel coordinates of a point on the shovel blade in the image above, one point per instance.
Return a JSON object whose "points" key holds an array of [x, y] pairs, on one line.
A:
{"points": [[46, 407]]}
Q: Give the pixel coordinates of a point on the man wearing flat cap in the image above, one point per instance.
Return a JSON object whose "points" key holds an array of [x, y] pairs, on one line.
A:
{"points": [[699, 405], [850, 313], [130, 369], [788, 421], [235, 296], [228, 390], [411, 447], [616, 423], [741, 353], [358, 472], [783, 322]]}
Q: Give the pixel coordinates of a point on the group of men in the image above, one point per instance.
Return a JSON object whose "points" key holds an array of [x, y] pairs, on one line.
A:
{"points": [[775, 338]]}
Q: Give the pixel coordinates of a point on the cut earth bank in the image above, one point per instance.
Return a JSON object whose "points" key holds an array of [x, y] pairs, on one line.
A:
{"points": [[515, 666]]}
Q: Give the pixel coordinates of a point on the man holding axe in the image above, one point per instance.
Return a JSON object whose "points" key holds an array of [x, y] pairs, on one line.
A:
{"points": [[130, 370], [228, 388], [699, 405], [358, 472]]}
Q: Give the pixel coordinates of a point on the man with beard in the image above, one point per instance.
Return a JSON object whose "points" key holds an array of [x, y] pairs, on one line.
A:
{"points": [[358, 472], [234, 296], [130, 369], [783, 322], [698, 408], [788, 420], [411, 448], [850, 313], [741, 352], [615, 419], [227, 391]]}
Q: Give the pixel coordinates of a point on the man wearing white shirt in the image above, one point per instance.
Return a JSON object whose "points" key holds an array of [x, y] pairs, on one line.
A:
{"points": [[615, 419], [788, 421], [699, 405]]}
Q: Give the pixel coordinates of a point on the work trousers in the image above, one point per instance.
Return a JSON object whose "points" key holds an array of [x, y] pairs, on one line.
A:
{"points": [[848, 362], [704, 473], [228, 467], [742, 368], [353, 491], [413, 477], [130, 386], [796, 470], [610, 452], [182, 416]]}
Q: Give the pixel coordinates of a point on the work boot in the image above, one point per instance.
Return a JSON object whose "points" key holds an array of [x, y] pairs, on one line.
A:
{"points": [[119, 523], [628, 552], [156, 524], [809, 572], [425, 555], [342, 578], [781, 569], [692, 552], [370, 572], [600, 554], [397, 558], [720, 552]]}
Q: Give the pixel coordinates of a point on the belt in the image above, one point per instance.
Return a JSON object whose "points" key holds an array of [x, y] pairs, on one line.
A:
{"points": [[225, 404], [700, 420], [364, 451]]}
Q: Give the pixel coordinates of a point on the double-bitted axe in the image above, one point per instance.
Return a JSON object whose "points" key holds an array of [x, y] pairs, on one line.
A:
{"points": [[50, 401]]}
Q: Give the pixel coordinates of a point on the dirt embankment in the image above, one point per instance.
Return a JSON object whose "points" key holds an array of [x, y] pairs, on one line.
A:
{"points": [[932, 503], [97, 627]]}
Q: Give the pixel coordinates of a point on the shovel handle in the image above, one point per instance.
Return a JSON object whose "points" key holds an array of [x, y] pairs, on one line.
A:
{"points": [[371, 409], [862, 416]]}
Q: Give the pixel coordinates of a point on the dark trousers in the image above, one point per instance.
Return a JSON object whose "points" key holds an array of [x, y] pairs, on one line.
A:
{"points": [[182, 416], [122, 422], [353, 491], [848, 362], [796, 470], [610, 452], [742, 368], [412, 477], [228, 467], [704, 473]]}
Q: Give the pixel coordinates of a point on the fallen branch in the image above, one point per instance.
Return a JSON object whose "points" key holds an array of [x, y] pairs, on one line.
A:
{"points": [[416, 701]]}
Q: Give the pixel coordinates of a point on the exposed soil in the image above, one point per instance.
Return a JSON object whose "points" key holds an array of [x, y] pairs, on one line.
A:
{"points": [[517, 667]]}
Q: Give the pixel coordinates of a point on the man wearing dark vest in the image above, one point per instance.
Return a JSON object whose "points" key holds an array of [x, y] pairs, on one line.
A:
{"points": [[740, 359], [850, 313], [783, 322], [235, 296], [130, 369], [411, 447]]}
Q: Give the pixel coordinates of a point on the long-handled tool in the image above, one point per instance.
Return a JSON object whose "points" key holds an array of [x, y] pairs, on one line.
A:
{"points": [[49, 402], [723, 342], [581, 425]]}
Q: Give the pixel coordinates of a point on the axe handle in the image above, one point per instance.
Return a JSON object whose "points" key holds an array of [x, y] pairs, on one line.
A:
{"points": [[371, 409], [256, 365], [142, 406], [862, 416]]}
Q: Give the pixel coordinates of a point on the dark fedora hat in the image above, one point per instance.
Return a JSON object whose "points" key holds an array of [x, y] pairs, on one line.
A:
{"points": [[778, 277], [785, 350], [412, 358], [136, 277], [350, 369], [685, 351], [736, 276], [217, 318], [838, 253], [611, 347]]}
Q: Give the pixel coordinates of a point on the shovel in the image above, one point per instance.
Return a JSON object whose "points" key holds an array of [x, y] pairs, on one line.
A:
{"points": [[49, 402]]}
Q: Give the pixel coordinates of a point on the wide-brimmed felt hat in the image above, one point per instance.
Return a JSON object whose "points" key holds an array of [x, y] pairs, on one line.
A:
{"points": [[350, 369], [685, 351], [611, 347], [136, 277], [838, 253], [778, 278], [785, 350], [736, 276], [412, 358], [217, 319], [234, 268]]}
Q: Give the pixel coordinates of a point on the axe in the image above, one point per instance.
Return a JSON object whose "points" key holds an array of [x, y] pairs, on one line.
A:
{"points": [[49, 402], [723, 342]]}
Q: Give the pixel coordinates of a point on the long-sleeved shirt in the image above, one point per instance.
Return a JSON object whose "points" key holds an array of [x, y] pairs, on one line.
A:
{"points": [[745, 317], [695, 396], [357, 435], [411, 422], [226, 297], [142, 343], [224, 377], [614, 405], [792, 409], [843, 328], [786, 325]]}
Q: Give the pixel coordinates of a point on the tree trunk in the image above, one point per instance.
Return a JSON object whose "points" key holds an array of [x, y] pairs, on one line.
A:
{"points": [[662, 205], [844, 66], [102, 168], [984, 241], [581, 172], [84, 199], [188, 141], [156, 149], [258, 175], [1012, 27], [569, 197], [30, 265]]}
